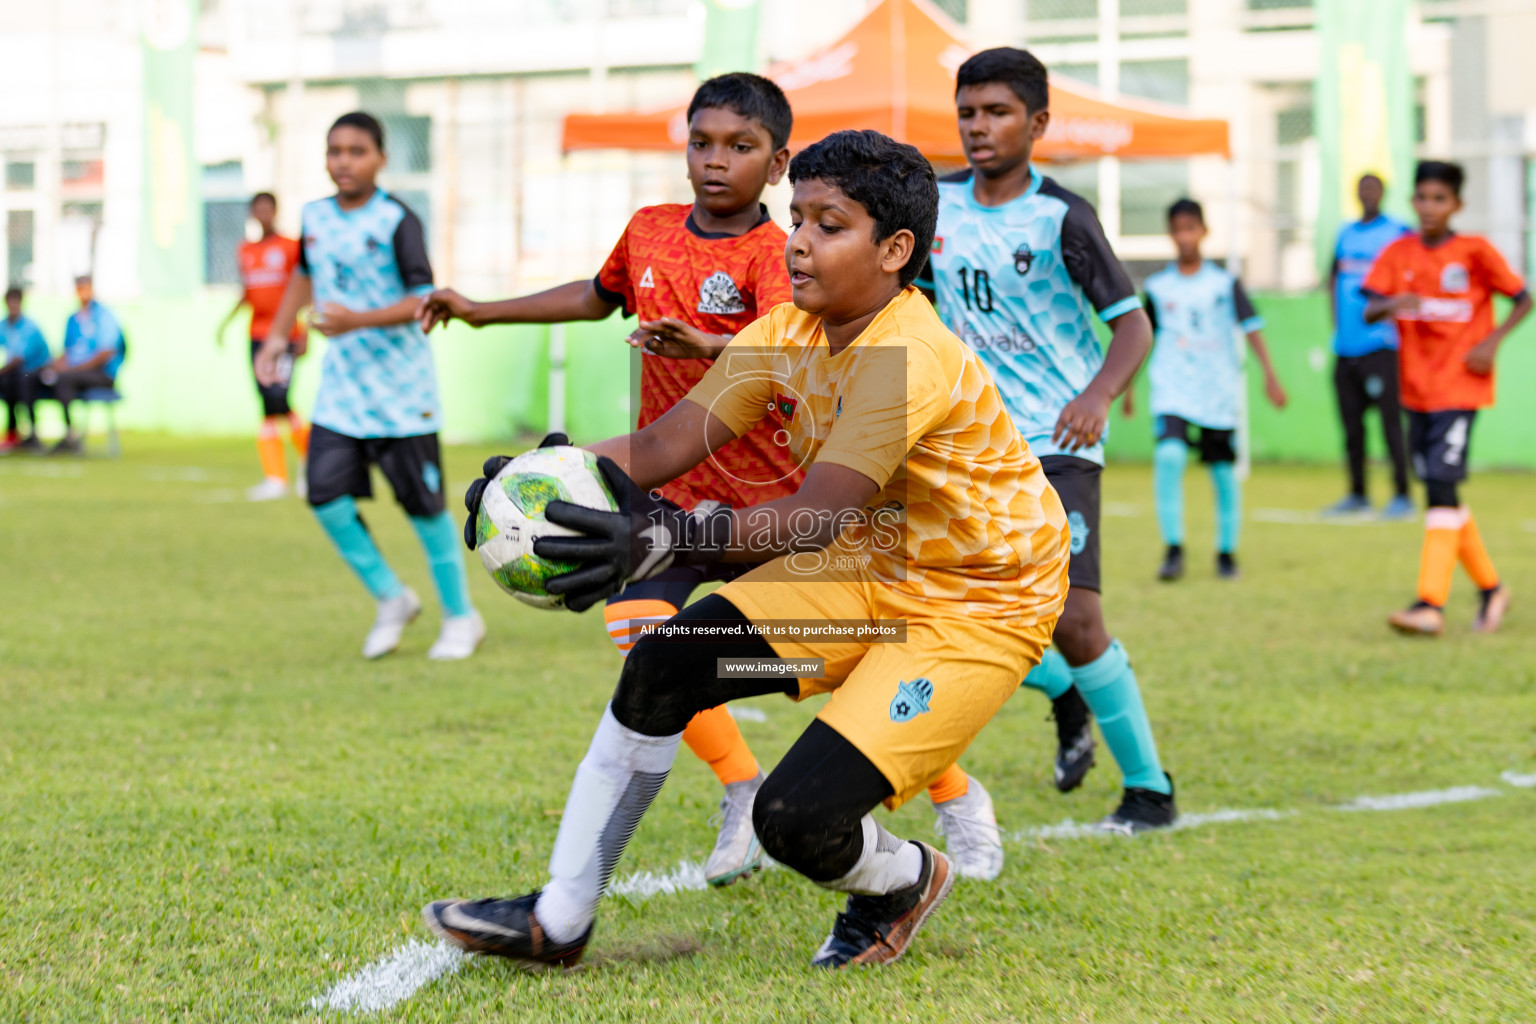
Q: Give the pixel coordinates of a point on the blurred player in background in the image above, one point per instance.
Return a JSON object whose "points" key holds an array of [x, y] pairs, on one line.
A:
{"points": [[1019, 267], [1440, 287], [1197, 377], [695, 275], [23, 353], [363, 267], [1365, 354], [265, 267], [93, 353]]}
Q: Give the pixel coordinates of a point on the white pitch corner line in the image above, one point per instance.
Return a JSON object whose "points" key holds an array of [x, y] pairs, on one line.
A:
{"points": [[399, 975]]}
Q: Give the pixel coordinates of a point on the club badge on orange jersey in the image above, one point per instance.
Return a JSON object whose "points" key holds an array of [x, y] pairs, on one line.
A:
{"points": [[786, 406]]}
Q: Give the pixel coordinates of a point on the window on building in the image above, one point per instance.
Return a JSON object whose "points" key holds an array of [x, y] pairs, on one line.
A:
{"points": [[1082, 178], [20, 174], [1086, 73], [1277, 5], [81, 171], [223, 231], [1061, 9], [18, 247], [1141, 8], [956, 9], [1165, 80], [1147, 189], [409, 141]]}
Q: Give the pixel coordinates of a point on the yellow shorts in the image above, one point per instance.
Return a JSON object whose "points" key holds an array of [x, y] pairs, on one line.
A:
{"points": [[910, 707]]}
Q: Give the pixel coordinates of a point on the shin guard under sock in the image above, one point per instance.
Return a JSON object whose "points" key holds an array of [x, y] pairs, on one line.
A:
{"points": [[341, 521], [1109, 688]]}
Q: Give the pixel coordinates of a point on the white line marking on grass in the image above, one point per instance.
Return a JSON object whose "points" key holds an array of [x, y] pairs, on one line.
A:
{"points": [[1304, 517], [391, 980], [747, 714], [187, 474], [1121, 509], [1428, 798], [221, 496], [1070, 829], [396, 978], [53, 470], [1529, 526]]}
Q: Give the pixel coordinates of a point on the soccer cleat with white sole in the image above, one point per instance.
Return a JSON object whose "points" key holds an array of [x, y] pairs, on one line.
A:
{"points": [[389, 625], [508, 928], [460, 637], [737, 852], [1142, 810], [271, 488], [968, 824], [878, 929], [1418, 619], [1492, 605]]}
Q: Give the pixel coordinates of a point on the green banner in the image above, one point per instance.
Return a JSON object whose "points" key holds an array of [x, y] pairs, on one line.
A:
{"points": [[1363, 109], [171, 233], [730, 37]]}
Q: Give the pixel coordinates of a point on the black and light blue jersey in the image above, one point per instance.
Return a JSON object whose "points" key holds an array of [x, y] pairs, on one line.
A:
{"points": [[1358, 246], [22, 339], [375, 381], [1020, 283], [1196, 367]]}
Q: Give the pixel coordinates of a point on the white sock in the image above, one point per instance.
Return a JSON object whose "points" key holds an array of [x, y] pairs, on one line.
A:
{"points": [[614, 784], [885, 865]]}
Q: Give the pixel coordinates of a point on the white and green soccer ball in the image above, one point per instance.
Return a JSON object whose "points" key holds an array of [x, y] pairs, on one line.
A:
{"points": [[511, 517]]}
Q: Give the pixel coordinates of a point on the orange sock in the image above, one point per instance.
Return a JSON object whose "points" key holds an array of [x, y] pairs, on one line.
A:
{"points": [[953, 783], [298, 431], [270, 448], [627, 620], [713, 736], [1474, 557], [1442, 536]]}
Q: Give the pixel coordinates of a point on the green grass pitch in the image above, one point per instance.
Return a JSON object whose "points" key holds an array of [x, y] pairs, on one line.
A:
{"points": [[212, 809]]}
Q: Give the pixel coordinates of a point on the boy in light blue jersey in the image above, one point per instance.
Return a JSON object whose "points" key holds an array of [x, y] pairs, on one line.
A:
{"points": [[93, 353], [23, 353], [1019, 267], [363, 267], [1365, 355], [1197, 308]]}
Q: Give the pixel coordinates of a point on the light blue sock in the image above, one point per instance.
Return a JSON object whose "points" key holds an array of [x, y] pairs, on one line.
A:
{"points": [[1108, 686], [1168, 488], [346, 529], [1229, 505], [440, 537], [1052, 677], [443, 542]]}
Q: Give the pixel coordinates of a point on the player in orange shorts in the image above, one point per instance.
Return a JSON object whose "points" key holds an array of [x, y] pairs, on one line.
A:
{"points": [[1440, 286], [695, 275], [922, 511], [265, 267]]}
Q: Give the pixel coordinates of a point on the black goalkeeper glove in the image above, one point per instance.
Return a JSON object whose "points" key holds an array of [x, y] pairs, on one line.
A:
{"points": [[493, 465], [646, 536]]}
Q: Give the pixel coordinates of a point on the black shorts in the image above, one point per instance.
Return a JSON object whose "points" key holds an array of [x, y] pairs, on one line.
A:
{"points": [[338, 467], [1213, 445], [1077, 484], [678, 583], [1439, 442], [274, 397]]}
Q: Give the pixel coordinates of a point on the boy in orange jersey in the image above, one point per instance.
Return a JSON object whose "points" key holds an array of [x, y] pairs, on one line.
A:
{"points": [[265, 267], [1440, 287], [695, 275]]}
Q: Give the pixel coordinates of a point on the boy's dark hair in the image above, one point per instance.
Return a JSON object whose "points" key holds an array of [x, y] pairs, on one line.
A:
{"points": [[268, 196], [13, 292], [753, 97], [366, 122], [1186, 207], [890, 179], [1443, 171], [1018, 69]]}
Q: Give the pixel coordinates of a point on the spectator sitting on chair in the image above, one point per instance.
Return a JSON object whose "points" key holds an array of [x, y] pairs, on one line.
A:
{"points": [[93, 350], [23, 352]]}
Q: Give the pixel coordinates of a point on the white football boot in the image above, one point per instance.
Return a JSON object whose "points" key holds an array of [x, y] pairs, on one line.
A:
{"points": [[969, 827], [460, 636], [737, 852], [272, 488], [394, 615]]}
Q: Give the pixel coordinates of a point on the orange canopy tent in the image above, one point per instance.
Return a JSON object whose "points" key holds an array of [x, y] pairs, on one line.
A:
{"points": [[895, 71]]}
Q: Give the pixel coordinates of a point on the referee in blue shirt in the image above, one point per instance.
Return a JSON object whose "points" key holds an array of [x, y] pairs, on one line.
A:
{"points": [[1365, 355]]}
